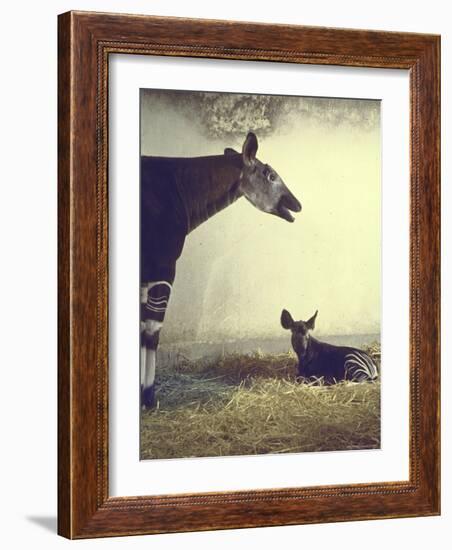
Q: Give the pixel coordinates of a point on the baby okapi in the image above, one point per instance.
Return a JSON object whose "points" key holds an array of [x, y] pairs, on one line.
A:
{"points": [[321, 360]]}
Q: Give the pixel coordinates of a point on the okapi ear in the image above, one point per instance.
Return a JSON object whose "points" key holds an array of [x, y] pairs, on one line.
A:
{"points": [[311, 322], [230, 151], [249, 149], [286, 319]]}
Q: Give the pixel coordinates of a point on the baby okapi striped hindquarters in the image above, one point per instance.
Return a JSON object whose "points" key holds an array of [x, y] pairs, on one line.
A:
{"points": [[177, 195], [321, 360]]}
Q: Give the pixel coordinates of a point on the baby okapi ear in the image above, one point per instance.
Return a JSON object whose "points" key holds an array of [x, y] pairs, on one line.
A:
{"points": [[249, 149], [286, 319], [311, 322], [230, 151]]}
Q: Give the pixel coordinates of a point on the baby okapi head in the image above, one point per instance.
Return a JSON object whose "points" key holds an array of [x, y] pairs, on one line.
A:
{"points": [[262, 185], [300, 331]]}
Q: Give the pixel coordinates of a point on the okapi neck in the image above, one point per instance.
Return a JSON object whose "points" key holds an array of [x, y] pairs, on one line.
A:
{"points": [[210, 185], [310, 352]]}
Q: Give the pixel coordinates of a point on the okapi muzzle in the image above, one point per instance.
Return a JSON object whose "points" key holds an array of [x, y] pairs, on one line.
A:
{"points": [[262, 185], [324, 361]]}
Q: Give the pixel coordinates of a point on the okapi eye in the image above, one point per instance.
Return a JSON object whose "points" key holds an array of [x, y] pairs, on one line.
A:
{"points": [[272, 176]]}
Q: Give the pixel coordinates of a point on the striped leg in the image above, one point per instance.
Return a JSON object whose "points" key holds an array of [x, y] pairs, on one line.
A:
{"points": [[154, 300], [359, 367]]}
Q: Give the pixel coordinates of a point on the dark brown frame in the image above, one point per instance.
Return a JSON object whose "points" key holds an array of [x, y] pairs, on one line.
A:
{"points": [[84, 44]]}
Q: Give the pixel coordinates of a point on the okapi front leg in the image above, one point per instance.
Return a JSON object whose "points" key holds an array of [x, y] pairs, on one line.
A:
{"points": [[150, 338], [154, 298]]}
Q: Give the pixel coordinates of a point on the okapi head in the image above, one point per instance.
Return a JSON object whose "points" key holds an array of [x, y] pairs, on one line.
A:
{"points": [[262, 186], [300, 331]]}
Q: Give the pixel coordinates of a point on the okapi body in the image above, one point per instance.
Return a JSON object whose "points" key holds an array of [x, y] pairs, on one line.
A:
{"points": [[177, 195], [321, 360]]}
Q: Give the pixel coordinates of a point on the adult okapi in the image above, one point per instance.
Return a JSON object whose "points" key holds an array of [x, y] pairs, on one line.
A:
{"points": [[177, 195], [321, 360]]}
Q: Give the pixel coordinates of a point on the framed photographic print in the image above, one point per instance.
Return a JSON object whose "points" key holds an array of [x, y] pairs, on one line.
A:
{"points": [[248, 275]]}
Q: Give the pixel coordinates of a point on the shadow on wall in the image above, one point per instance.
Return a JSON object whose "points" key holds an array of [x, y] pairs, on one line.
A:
{"points": [[49, 523]]}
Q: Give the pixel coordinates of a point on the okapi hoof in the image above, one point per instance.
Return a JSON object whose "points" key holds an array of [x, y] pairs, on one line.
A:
{"points": [[148, 397]]}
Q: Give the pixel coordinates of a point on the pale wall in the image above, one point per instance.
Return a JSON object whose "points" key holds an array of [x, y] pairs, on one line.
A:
{"points": [[241, 267]]}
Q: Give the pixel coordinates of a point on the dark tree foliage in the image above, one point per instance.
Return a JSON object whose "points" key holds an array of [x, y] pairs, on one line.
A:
{"points": [[230, 115]]}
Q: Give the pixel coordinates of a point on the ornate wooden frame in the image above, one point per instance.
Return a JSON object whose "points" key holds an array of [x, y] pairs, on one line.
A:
{"points": [[85, 42]]}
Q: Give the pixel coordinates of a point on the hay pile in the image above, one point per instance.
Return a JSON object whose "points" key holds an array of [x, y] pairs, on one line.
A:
{"points": [[253, 404]]}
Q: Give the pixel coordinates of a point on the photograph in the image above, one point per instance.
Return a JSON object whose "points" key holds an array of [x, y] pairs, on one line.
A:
{"points": [[259, 318]]}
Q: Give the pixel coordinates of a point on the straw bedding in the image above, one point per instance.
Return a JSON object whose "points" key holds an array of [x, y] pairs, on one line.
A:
{"points": [[254, 404]]}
